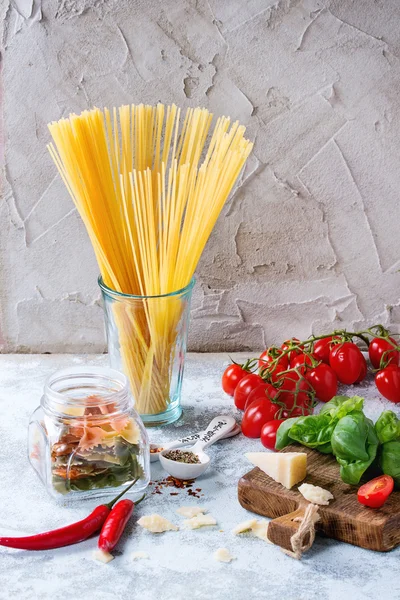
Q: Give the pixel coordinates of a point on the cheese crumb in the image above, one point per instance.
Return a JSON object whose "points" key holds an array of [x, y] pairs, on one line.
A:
{"points": [[315, 494], [244, 527], [199, 521], [156, 524], [140, 554], [103, 556], [223, 555], [260, 530], [190, 511]]}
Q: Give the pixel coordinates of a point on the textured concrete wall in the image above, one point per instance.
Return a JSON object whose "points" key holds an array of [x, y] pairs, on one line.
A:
{"points": [[310, 236]]}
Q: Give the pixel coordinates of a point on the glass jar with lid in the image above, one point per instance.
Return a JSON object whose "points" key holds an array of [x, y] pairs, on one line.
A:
{"points": [[86, 438]]}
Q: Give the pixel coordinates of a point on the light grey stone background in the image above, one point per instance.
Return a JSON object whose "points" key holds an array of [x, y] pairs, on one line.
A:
{"points": [[310, 236], [181, 564]]}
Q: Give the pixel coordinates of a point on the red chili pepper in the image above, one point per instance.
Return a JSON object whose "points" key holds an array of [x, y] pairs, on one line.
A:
{"points": [[71, 534], [115, 524]]}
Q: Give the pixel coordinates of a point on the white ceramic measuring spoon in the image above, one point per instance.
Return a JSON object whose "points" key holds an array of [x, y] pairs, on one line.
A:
{"points": [[185, 441], [217, 429]]}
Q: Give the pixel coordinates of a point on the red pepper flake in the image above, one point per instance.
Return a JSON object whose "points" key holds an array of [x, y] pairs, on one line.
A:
{"points": [[173, 494]]}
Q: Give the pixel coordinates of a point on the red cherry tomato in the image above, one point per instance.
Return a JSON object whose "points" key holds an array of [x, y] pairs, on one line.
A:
{"points": [[323, 347], [376, 350], [363, 372], [269, 355], [244, 387], [256, 415], [264, 391], [268, 433], [388, 383], [324, 381], [287, 393], [286, 345], [375, 493], [231, 377], [300, 362], [347, 361]]}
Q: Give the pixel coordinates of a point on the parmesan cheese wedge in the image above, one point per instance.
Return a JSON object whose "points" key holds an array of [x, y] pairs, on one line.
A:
{"points": [[287, 468], [156, 524]]}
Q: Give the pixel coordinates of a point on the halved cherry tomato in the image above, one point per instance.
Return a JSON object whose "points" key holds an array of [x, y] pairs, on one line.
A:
{"points": [[388, 383], [363, 372], [378, 347], [268, 433], [323, 347], [347, 361], [269, 355], [286, 345], [300, 362], [287, 393], [256, 415], [244, 387], [375, 493], [324, 381], [231, 377], [264, 391]]}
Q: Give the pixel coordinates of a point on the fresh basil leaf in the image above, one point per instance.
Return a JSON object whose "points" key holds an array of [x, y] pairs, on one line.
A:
{"points": [[352, 469], [349, 438], [340, 406], [387, 427], [283, 438], [390, 460], [314, 431]]}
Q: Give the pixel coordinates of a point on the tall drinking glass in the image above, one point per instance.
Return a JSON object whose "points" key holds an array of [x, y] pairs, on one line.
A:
{"points": [[147, 337]]}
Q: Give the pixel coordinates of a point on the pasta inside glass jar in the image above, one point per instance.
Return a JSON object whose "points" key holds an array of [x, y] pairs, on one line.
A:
{"points": [[86, 437]]}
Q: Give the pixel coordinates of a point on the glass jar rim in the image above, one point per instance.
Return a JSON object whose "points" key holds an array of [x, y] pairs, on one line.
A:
{"points": [[59, 398], [110, 292]]}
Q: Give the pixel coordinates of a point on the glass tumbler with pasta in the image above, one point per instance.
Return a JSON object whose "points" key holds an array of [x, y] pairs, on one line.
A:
{"points": [[149, 185]]}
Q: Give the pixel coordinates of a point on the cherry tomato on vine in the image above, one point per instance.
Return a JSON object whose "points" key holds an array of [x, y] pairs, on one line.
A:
{"points": [[256, 415], [286, 345], [375, 493], [291, 384], [347, 361], [324, 382], [388, 383], [300, 362], [264, 391], [269, 355], [378, 347], [363, 372], [244, 387], [323, 347], [268, 433], [231, 377]]}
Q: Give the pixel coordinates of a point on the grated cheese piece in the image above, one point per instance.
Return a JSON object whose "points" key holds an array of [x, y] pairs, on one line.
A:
{"points": [[199, 521], [260, 530], [140, 554], [287, 468], [315, 494], [223, 555], [244, 527], [103, 556], [156, 524], [190, 511]]}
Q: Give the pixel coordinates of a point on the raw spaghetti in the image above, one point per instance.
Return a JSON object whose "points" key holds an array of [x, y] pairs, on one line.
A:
{"points": [[149, 191]]}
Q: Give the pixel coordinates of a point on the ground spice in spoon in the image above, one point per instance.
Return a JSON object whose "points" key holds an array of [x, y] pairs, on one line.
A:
{"points": [[183, 456]]}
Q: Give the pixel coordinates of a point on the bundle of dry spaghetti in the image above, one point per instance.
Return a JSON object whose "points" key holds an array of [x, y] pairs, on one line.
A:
{"points": [[149, 191]]}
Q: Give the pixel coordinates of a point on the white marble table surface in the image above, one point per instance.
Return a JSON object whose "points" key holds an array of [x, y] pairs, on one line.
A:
{"points": [[181, 564]]}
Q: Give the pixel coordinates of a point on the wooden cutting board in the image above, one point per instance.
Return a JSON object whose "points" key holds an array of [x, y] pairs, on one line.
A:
{"points": [[344, 519]]}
